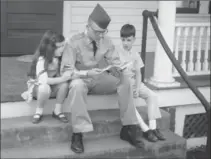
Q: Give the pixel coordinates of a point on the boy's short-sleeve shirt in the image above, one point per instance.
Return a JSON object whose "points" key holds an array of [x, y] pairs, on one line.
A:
{"points": [[128, 56]]}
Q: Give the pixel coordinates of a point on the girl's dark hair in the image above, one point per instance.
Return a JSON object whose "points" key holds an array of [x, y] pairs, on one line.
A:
{"points": [[127, 30], [59, 38], [45, 49]]}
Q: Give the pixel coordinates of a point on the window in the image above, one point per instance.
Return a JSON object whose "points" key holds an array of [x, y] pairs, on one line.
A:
{"points": [[188, 7]]}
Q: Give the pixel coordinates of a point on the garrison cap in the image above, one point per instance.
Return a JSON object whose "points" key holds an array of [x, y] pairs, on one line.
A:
{"points": [[100, 17]]}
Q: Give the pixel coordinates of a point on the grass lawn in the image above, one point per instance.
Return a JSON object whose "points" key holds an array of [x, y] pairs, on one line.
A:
{"points": [[13, 78]]}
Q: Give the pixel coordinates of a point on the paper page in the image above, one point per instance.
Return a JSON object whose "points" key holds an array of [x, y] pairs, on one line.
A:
{"points": [[124, 66]]}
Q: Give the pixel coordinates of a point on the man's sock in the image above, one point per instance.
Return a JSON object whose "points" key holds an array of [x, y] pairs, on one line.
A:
{"points": [[152, 124], [142, 124], [58, 109]]}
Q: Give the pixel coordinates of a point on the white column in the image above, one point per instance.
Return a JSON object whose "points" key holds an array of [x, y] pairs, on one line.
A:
{"points": [[67, 18], [162, 73], [204, 7]]}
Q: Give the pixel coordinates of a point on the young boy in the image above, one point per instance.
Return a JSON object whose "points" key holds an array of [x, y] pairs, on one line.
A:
{"points": [[128, 54]]}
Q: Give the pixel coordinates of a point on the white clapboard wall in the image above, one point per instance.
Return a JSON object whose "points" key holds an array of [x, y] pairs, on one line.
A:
{"points": [[121, 12]]}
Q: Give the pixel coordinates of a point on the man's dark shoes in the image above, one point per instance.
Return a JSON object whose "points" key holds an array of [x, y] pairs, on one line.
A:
{"points": [[150, 136], [77, 143], [129, 134], [158, 134]]}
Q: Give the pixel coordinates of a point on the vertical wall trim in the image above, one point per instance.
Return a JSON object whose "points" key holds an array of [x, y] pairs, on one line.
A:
{"points": [[67, 14]]}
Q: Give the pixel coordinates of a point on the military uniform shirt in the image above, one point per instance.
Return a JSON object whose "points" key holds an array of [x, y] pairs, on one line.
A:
{"points": [[79, 55]]}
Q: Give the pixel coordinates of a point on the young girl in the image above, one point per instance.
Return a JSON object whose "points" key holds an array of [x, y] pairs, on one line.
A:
{"points": [[45, 69]]}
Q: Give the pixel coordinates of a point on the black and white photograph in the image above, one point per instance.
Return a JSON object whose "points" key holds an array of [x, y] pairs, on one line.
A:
{"points": [[105, 79]]}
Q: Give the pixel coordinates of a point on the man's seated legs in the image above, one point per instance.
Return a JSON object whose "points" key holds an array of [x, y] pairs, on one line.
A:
{"points": [[81, 121], [107, 83], [128, 112]]}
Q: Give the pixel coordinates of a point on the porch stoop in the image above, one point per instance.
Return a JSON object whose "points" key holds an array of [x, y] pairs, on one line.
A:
{"points": [[51, 139]]}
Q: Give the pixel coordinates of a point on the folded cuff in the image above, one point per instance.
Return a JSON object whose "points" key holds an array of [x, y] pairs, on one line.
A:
{"points": [[82, 128]]}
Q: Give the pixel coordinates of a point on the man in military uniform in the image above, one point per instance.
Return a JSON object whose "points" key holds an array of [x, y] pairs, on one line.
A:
{"points": [[84, 54]]}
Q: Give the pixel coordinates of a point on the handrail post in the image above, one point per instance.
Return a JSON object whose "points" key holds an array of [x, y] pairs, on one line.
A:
{"points": [[184, 76], [144, 41], [177, 65]]}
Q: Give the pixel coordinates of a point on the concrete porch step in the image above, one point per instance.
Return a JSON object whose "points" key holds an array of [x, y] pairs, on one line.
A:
{"points": [[95, 102], [166, 98], [107, 147], [20, 132]]}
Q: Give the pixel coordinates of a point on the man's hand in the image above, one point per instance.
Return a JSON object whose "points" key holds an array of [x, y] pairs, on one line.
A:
{"points": [[94, 72], [116, 72]]}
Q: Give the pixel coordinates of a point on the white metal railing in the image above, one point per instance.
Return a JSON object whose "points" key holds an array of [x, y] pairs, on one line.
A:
{"points": [[192, 48]]}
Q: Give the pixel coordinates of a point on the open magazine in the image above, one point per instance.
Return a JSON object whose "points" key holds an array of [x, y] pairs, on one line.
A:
{"points": [[106, 69], [122, 67]]}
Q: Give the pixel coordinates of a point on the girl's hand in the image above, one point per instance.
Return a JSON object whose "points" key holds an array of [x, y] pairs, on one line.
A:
{"points": [[75, 75], [66, 76], [135, 93]]}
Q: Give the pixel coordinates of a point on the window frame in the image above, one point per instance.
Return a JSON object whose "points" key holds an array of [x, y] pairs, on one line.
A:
{"points": [[187, 10]]}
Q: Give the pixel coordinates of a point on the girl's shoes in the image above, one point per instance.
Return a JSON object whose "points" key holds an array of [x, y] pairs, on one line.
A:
{"points": [[37, 118], [61, 117]]}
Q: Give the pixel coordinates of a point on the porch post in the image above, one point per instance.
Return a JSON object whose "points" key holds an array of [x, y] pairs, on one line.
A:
{"points": [[162, 72]]}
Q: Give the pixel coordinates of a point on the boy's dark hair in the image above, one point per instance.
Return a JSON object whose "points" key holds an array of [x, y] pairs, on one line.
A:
{"points": [[127, 30]]}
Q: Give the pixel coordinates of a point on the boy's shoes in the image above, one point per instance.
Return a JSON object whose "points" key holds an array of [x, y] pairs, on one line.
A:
{"points": [[61, 117], [129, 134], [77, 143], [37, 118], [158, 134], [150, 136]]}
